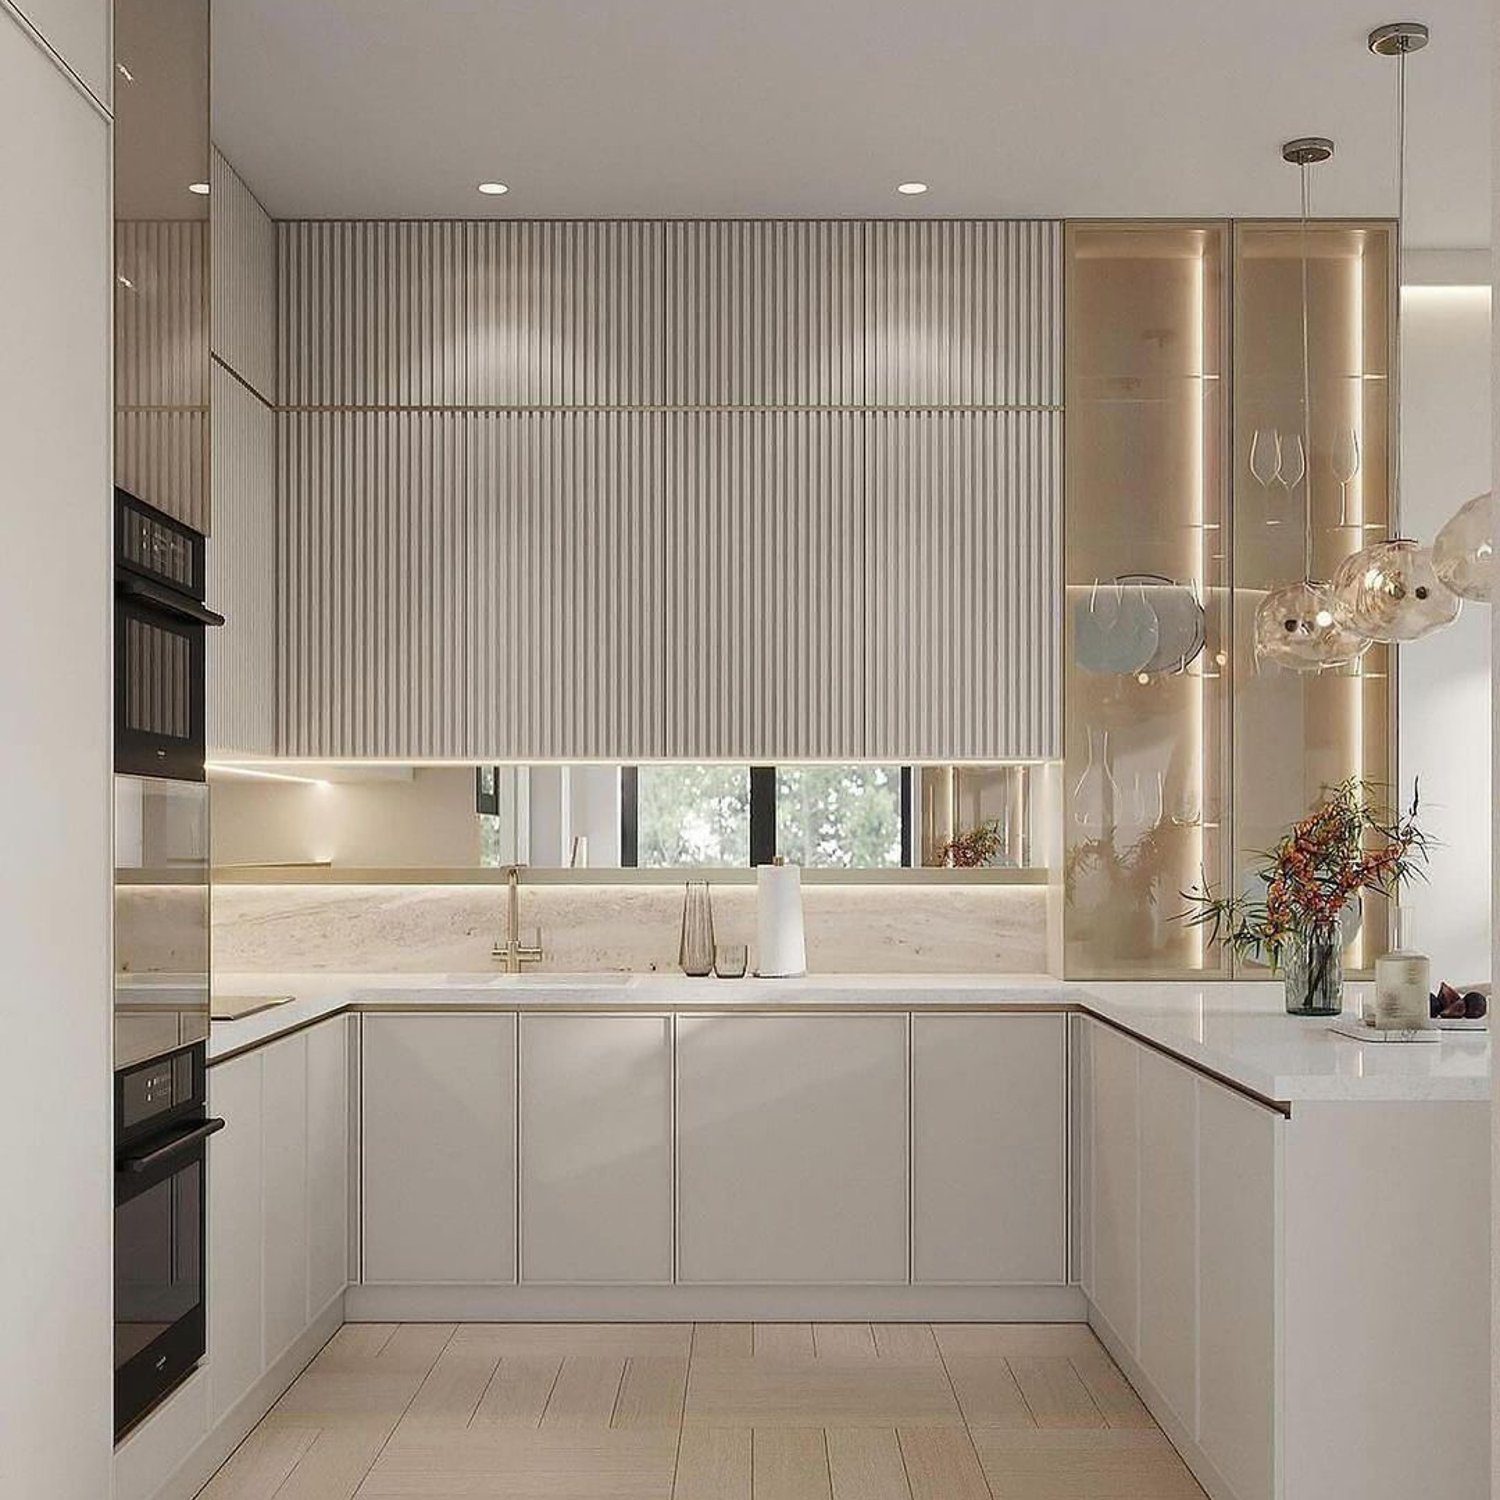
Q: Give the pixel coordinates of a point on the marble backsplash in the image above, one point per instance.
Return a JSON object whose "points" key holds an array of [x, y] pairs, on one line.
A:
{"points": [[451, 928]]}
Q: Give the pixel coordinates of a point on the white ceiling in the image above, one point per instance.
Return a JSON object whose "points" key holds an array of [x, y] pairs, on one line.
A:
{"points": [[595, 108]]}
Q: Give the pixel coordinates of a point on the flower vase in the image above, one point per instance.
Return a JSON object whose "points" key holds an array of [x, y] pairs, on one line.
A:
{"points": [[1314, 972]]}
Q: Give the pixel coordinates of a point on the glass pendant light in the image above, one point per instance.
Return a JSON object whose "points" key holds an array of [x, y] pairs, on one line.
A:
{"points": [[1295, 625], [1391, 591], [1464, 552]]}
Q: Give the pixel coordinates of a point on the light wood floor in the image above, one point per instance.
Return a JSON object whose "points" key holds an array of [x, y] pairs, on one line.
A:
{"points": [[708, 1411]]}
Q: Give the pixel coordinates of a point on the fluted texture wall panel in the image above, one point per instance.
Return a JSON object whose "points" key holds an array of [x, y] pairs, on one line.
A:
{"points": [[817, 517], [471, 584], [242, 572], [244, 281], [451, 313], [864, 313], [161, 454], [161, 364], [872, 584]]}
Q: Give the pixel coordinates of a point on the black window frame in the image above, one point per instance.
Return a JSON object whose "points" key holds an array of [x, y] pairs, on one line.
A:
{"points": [[762, 815]]}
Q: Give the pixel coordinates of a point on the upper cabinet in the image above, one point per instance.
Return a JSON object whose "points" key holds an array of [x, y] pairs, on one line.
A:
{"points": [[1189, 476], [634, 490]]}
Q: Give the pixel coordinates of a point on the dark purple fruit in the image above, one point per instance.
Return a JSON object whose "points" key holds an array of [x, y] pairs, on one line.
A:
{"points": [[1434, 1007], [1476, 1006], [1456, 1010]]}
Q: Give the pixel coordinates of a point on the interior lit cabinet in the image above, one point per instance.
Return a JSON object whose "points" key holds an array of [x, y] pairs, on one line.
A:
{"points": [[1147, 622], [1188, 478], [1296, 733]]}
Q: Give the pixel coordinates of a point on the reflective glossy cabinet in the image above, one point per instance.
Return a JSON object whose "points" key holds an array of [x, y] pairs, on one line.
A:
{"points": [[1188, 473]]}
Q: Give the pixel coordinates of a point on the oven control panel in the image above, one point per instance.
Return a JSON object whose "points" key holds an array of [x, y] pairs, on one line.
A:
{"points": [[154, 1090]]}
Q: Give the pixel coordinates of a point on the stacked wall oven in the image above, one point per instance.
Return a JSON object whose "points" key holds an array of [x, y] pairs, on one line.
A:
{"points": [[161, 955]]}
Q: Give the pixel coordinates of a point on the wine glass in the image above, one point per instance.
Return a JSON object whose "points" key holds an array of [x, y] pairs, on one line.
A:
{"points": [[1293, 468], [1344, 461], [1265, 456]]}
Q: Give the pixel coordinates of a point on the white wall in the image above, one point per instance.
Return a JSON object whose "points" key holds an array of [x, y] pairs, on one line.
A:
{"points": [[55, 497], [1445, 680]]}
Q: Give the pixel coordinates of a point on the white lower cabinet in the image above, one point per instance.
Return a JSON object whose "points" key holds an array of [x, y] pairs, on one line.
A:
{"points": [[327, 1163], [236, 1304], [596, 1149], [1168, 1305], [1182, 1199], [989, 1149], [1114, 1196], [284, 1138], [1237, 1289], [792, 1149], [438, 1148], [278, 1191]]}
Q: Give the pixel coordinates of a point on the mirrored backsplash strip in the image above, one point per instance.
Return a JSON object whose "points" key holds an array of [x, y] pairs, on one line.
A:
{"points": [[423, 929]]}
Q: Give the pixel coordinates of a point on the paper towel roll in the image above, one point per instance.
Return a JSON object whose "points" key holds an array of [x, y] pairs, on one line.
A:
{"points": [[782, 948]]}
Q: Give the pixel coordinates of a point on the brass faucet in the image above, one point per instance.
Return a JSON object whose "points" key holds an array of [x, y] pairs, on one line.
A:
{"points": [[512, 950]]}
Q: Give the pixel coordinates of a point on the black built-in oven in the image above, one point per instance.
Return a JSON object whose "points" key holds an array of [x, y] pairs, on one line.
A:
{"points": [[160, 619], [161, 1128]]}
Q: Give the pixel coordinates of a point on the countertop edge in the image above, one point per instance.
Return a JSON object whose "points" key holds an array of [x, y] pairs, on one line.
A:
{"points": [[927, 994]]}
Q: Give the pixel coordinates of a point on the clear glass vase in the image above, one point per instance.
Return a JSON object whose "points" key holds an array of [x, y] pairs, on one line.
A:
{"points": [[1313, 972], [696, 952]]}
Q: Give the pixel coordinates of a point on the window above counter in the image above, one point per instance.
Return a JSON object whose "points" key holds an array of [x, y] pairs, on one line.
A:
{"points": [[862, 822]]}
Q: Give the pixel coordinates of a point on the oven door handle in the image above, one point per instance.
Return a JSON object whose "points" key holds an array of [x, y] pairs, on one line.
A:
{"points": [[179, 1143], [165, 599]]}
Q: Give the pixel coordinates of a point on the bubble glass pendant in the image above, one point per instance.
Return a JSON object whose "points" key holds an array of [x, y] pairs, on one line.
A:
{"points": [[1390, 591], [1296, 628], [1464, 552]]}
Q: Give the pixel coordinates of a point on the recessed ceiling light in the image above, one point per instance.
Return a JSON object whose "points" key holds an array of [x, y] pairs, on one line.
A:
{"points": [[201, 188], [493, 189], [911, 188]]}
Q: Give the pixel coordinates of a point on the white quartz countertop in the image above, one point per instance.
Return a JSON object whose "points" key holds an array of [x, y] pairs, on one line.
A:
{"points": [[1239, 1032]]}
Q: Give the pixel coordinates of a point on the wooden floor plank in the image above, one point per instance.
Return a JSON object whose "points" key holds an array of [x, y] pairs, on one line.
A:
{"points": [[1054, 1394], [818, 1393], [455, 1384], [651, 1393], [336, 1465], [942, 1465], [1084, 1464], [907, 1341], [843, 1341], [547, 1464], [1111, 1391], [1060, 1340], [724, 1338], [262, 1463], [713, 1463], [517, 1393], [584, 1393], [865, 1463], [789, 1463], [784, 1341], [988, 1393], [604, 1340]]}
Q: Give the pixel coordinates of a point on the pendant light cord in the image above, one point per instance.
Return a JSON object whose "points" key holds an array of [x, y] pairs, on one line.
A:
{"points": [[1393, 509], [1307, 494]]}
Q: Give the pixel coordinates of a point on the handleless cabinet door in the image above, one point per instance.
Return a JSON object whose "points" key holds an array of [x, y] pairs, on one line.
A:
{"points": [[284, 1227], [1115, 1171], [989, 1148], [439, 1144], [235, 1300], [596, 1148], [327, 1163], [1238, 1201], [792, 1149], [1168, 1338]]}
